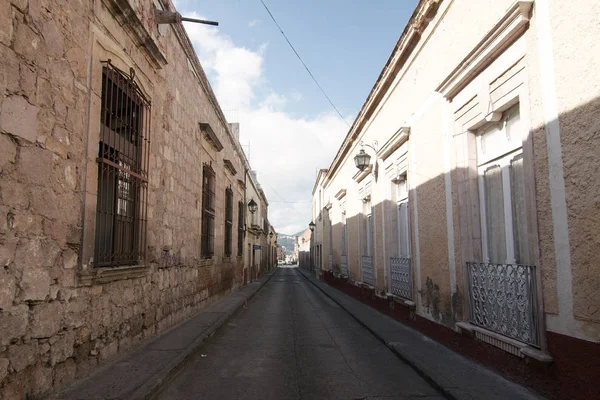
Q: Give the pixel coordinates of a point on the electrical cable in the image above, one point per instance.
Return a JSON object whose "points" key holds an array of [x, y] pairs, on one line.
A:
{"points": [[304, 64]]}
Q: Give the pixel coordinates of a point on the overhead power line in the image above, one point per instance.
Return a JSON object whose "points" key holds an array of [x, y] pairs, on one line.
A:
{"points": [[303, 63]]}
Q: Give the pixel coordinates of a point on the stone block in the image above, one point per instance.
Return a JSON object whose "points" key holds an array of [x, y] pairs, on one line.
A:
{"points": [[23, 355], [35, 284], [6, 23], [44, 93], [27, 81], [78, 61], [20, 4], [53, 39], [56, 230], [7, 251], [62, 74], [26, 42], [9, 69], [14, 323], [19, 118], [45, 202], [47, 319], [36, 253], [7, 289], [27, 224], [12, 192], [8, 153], [110, 350], [3, 368], [42, 379], [64, 373], [62, 348], [69, 259], [35, 165], [56, 147]]}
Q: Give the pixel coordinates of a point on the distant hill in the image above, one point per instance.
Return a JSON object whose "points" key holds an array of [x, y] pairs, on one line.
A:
{"points": [[286, 241]]}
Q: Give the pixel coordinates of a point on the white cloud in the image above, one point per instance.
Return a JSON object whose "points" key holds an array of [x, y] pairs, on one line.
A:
{"points": [[253, 23], [286, 150]]}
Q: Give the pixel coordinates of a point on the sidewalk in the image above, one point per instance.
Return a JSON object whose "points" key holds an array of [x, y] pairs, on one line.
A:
{"points": [[141, 373], [454, 375]]}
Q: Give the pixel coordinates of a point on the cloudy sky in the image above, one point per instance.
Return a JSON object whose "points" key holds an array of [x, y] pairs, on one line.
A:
{"points": [[287, 127]]}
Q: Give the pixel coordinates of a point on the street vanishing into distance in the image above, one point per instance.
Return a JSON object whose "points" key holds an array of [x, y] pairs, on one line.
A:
{"points": [[293, 342]]}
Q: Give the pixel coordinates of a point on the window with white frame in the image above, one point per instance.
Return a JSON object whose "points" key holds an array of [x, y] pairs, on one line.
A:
{"points": [[344, 231], [402, 214], [330, 223], [368, 248], [502, 190]]}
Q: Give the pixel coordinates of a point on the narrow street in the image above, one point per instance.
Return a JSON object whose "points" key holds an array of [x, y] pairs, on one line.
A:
{"points": [[292, 342]]}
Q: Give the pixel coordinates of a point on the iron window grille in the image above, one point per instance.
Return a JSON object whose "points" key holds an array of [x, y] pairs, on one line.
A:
{"points": [[228, 221], [240, 243], [208, 212], [123, 159]]}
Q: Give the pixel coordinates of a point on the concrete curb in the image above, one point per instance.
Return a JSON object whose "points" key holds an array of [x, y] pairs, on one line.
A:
{"points": [[157, 381], [418, 370], [155, 384]]}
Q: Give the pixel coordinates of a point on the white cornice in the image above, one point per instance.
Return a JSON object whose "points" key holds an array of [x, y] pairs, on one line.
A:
{"points": [[397, 139], [340, 195], [422, 16], [360, 175], [503, 34]]}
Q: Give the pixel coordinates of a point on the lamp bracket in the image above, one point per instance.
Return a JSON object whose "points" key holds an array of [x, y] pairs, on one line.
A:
{"points": [[373, 147]]}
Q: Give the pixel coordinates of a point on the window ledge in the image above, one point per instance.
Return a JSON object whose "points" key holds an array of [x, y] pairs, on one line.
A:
{"points": [[227, 260], [100, 275], [205, 262]]}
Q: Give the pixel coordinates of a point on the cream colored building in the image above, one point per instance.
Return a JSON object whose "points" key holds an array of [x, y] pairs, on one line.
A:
{"points": [[303, 244], [479, 204]]}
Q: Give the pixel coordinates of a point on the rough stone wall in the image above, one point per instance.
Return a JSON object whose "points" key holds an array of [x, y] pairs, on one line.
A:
{"points": [[54, 328], [578, 98]]}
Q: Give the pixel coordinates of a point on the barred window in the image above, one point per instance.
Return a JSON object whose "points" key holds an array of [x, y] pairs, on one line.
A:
{"points": [[208, 212], [240, 238], [123, 155], [228, 221]]}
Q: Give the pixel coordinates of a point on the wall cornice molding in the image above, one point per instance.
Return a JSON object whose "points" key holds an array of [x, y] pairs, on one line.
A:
{"points": [[512, 25]]}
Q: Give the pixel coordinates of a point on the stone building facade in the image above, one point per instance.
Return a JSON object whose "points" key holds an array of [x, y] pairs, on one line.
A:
{"points": [[122, 187], [477, 208]]}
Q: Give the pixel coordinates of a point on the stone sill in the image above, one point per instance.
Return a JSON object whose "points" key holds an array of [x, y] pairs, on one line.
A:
{"points": [[205, 262], [226, 260], [402, 301], [100, 275], [529, 353]]}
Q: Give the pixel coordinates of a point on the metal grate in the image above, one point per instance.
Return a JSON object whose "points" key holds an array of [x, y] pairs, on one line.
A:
{"points": [[240, 239], [228, 221], [123, 158], [503, 299], [367, 270], [401, 275], [344, 265], [208, 211]]}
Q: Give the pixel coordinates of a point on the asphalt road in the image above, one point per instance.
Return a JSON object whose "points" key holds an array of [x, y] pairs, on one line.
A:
{"points": [[293, 342]]}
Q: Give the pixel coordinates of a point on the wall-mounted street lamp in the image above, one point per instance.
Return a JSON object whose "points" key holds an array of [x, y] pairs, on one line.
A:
{"points": [[271, 235], [311, 226], [362, 160], [173, 17], [252, 206]]}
